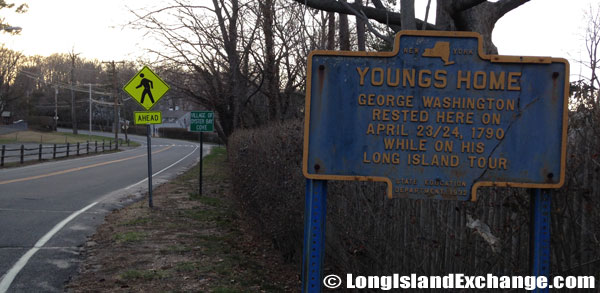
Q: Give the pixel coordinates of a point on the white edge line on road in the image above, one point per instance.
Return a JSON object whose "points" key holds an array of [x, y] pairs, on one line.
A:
{"points": [[9, 277], [146, 179]]}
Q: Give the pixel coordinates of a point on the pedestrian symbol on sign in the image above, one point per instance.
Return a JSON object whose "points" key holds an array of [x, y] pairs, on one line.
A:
{"points": [[147, 84]]}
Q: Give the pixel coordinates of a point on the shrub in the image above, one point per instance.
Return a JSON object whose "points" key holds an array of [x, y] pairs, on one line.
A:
{"points": [[269, 182], [41, 123], [366, 232], [181, 133], [137, 129]]}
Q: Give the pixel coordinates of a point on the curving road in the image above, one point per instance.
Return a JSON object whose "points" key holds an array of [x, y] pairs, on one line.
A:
{"points": [[48, 210]]}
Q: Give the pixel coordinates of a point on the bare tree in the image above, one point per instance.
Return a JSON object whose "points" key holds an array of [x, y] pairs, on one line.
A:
{"points": [[208, 47], [592, 44], [462, 15], [9, 65], [576, 219], [267, 9], [5, 26], [242, 59]]}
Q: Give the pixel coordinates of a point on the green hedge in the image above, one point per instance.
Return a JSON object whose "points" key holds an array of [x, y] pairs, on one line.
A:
{"points": [[180, 133]]}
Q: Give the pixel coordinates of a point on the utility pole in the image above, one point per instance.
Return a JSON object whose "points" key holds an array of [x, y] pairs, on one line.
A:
{"points": [[55, 108], [113, 73], [126, 126], [90, 133], [73, 112]]}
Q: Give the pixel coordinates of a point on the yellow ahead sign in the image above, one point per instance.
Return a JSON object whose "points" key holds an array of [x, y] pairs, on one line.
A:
{"points": [[146, 88], [151, 117]]}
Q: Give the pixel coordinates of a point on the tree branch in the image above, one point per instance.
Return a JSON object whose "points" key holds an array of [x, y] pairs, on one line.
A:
{"points": [[380, 15], [504, 6], [460, 5], [378, 4], [362, 15]]}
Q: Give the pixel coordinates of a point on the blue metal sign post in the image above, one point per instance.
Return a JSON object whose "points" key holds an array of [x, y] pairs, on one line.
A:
{"points": [[314, 235], [435, 118], [539, 251]]}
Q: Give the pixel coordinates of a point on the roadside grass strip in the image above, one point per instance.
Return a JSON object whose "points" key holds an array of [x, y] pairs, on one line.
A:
{"points": [[188, 242]]}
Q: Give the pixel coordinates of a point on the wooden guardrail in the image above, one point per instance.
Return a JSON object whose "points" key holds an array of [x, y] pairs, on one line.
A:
{"points": [[56, 150]]}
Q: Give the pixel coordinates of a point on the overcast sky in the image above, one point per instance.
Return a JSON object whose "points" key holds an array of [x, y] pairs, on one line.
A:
{"points": [[94, 28]]}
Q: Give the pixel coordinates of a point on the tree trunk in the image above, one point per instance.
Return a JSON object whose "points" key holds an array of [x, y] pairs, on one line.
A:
{"points": [[451, 15], [481, 19], [323, 27], [331, 31], [271, 65], [344, 33], [360, 29], [235, 83], [407, 11]]}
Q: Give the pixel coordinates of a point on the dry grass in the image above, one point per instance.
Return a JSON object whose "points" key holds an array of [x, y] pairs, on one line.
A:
{"points": [[187, 243], [47, 137]]}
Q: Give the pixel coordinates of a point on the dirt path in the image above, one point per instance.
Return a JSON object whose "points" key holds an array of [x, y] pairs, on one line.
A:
{"points": [[187, 243]]}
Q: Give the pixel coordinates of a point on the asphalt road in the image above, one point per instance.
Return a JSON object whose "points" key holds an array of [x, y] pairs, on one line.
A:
{"points": [[48, 210]]}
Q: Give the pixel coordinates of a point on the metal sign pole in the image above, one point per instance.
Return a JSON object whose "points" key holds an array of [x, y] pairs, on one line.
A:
{"points": [[200, 179], [146, 88], [315, 210], [201, 121], [539, 245], [149, 167]]}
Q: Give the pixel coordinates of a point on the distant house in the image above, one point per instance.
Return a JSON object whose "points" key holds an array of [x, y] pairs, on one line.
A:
{"points": [[6, 118], [175, 119]]}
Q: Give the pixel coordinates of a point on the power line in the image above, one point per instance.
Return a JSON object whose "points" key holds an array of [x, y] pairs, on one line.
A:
{"points": [[64, 85], [75, 88], [113, 75]]}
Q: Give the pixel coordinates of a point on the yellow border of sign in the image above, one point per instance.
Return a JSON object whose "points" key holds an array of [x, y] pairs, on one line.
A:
{"points": [[491, 58], [135, 113]]}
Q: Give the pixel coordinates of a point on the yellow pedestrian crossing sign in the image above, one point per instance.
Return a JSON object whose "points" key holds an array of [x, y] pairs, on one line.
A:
{"points": [[146, 88]]}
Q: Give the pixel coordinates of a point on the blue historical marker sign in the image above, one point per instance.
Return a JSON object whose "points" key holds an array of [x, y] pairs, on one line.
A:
{"points": [[436, 118]]}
